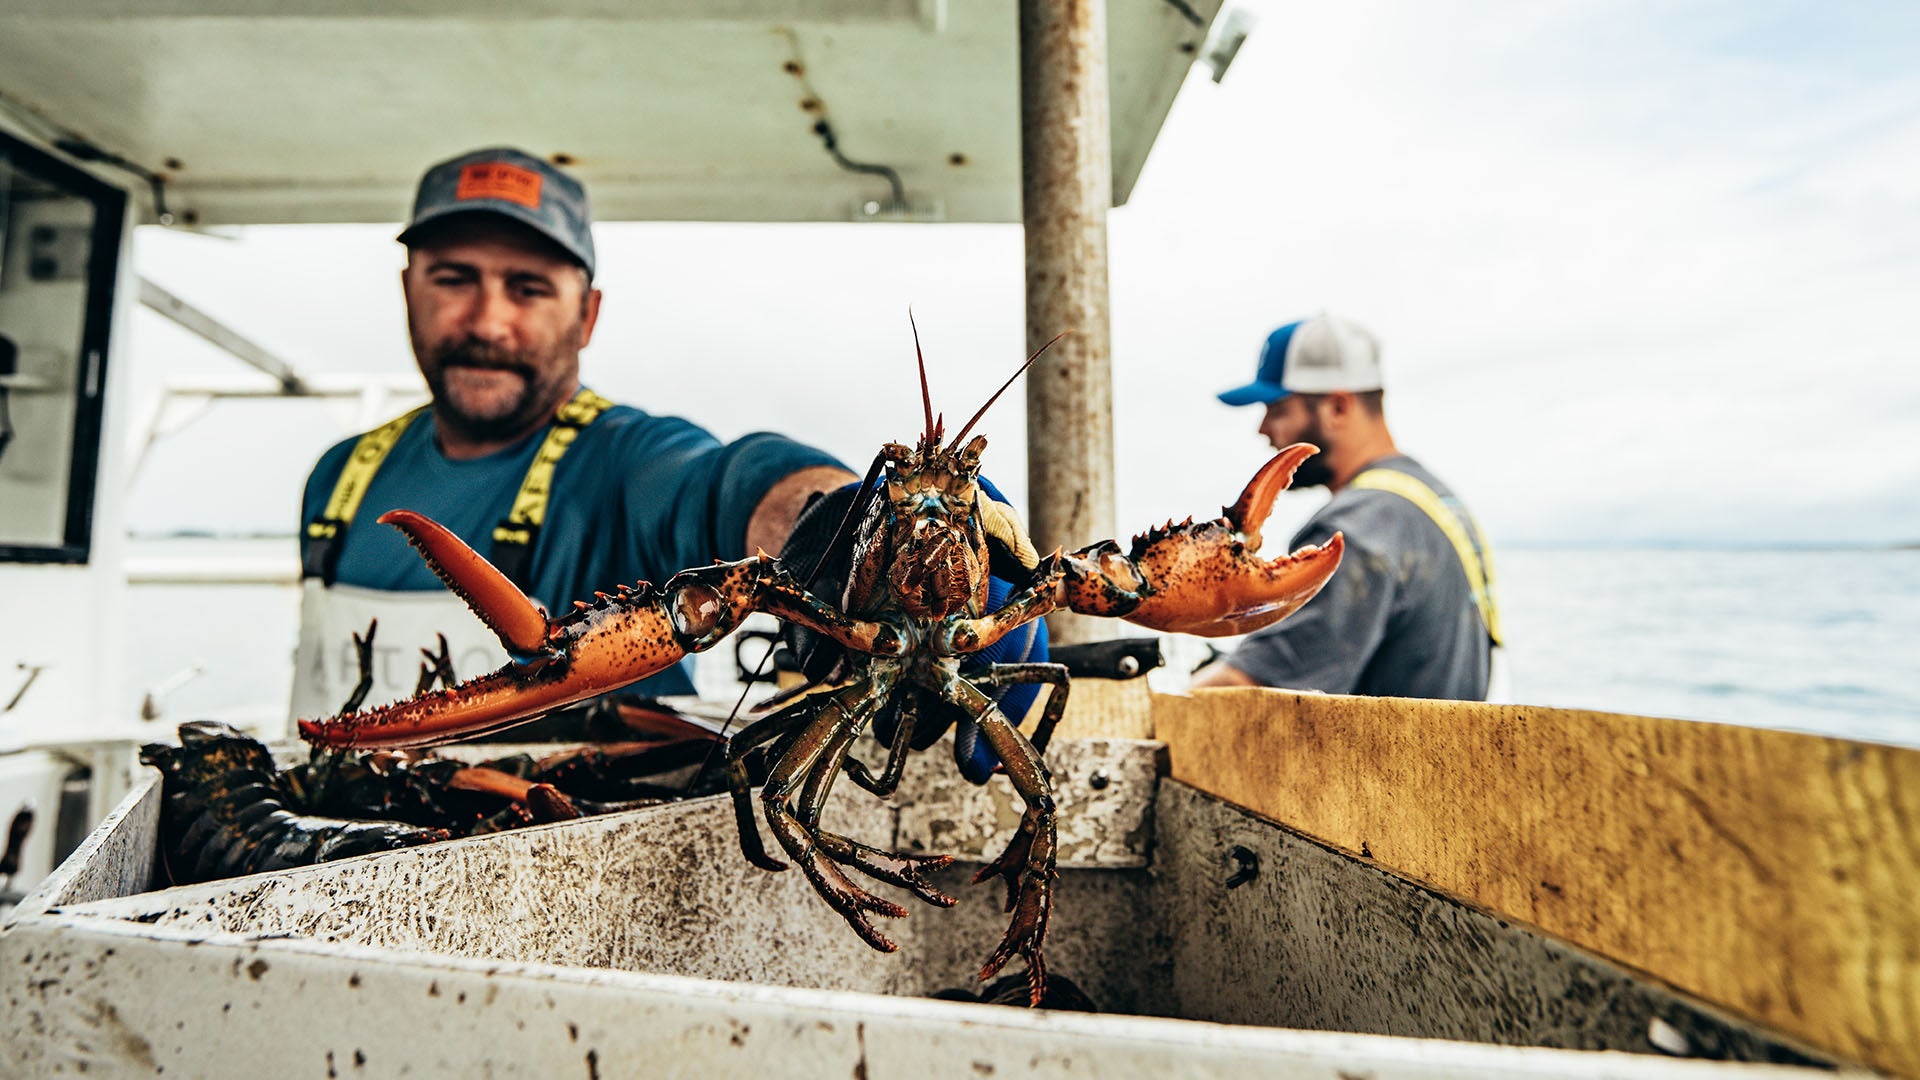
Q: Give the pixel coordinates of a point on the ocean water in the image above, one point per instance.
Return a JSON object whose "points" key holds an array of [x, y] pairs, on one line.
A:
{"points": [[1822, 641], [1816, 641]]}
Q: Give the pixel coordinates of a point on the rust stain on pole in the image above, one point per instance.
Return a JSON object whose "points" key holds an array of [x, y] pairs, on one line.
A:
{"points": [[1066, 190]]}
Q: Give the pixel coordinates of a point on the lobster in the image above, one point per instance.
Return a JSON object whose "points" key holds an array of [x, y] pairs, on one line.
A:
{"points": [[913, 606], [229, 809]]}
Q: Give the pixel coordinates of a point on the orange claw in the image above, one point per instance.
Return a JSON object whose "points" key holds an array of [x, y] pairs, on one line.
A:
{"points": [[521, 624], [1249, 512], [544, 801], [598, 648], [1206, 578]]}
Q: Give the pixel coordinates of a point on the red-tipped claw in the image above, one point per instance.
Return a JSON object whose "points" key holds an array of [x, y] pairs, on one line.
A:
{"points": [[521, 624], [1206, 578], [1249, 512], [596, 649]]}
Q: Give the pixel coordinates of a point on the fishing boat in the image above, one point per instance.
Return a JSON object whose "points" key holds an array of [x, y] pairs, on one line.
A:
{"points": [[1251, 880]]}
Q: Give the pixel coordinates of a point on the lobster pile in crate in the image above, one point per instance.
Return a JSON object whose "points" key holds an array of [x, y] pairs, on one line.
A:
{"points": [[229, 808]]}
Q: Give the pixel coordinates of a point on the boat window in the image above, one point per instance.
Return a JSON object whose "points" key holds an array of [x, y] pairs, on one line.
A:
{"points": [[59, 242]]}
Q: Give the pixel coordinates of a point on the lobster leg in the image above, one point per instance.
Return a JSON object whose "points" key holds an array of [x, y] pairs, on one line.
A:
{"points": [[817, 780], [846, 709], [889, 780], [740, 784], [903, 871], [363, 653], [900, 870], [324, 764], [1206, 578], [959, 635], [1027, 864], [1051, 675], [435, 667]]}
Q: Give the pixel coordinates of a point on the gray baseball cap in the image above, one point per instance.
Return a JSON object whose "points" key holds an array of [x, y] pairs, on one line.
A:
{"points": [[513, 184]]}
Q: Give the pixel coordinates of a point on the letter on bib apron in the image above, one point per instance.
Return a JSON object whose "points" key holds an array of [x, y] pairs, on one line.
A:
{"points": [[327, 668]]}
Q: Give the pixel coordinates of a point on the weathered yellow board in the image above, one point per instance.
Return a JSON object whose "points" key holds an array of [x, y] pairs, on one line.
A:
{"points": [[1104, 709], [1773, 873]]}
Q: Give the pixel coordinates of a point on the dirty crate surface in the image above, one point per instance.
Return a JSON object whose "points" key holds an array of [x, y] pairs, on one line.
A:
{"points": [[597, 946]]}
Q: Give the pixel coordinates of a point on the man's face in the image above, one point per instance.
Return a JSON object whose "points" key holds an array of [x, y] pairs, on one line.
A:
{"points": [[498, 318], [1296, 418]]}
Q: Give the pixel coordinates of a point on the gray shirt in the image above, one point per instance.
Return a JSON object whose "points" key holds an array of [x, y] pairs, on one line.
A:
{"points": [[1396, 620]]}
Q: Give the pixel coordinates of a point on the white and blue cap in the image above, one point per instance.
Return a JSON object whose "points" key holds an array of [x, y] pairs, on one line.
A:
{"points": [[1317, 355], [513, 184]]}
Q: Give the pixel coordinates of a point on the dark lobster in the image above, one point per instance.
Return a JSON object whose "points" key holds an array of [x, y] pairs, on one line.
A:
{"points": [[228, 809], [914, 605]]}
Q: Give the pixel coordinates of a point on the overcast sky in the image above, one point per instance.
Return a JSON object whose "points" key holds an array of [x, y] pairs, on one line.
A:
{"points": [[1643, 271]]}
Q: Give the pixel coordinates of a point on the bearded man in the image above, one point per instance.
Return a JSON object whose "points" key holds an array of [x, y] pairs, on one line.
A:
{"points": [[564, 491], [1410, 612]]}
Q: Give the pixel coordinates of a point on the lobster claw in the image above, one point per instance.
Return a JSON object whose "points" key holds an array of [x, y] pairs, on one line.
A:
{"points": [[1206, 578], [598, 648]]}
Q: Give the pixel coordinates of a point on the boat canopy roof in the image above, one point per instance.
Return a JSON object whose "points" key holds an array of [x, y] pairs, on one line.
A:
{"points": [[276, 111]]}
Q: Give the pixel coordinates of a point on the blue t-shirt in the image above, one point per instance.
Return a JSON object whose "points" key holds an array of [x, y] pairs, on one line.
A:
{"points": [[636, 497]]}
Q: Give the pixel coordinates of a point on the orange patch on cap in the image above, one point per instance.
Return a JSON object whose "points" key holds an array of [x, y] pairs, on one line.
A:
{"points": [[493, 180]]}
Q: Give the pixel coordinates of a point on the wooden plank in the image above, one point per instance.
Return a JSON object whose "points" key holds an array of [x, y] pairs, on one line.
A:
{"points": [[1103, 709], [1773, 873]]}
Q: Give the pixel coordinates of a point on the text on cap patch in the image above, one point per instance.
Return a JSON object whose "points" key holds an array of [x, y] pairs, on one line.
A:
{"points": [[494, 180]]}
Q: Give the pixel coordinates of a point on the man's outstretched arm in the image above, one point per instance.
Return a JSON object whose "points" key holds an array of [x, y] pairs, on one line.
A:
{"points": [[774, 515]]}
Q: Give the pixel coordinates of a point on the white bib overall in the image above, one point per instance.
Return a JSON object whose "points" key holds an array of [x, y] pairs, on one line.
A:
{"points": [[326, 663]]}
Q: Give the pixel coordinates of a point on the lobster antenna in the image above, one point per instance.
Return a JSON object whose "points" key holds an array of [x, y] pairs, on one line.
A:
{"points": [[926, 398], [1003, 388]]}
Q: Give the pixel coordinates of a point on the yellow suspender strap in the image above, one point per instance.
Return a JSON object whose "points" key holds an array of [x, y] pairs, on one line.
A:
{"points": [[530, 502], [325, 533], [513, 538], [357, 475], [1460, 531]]}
